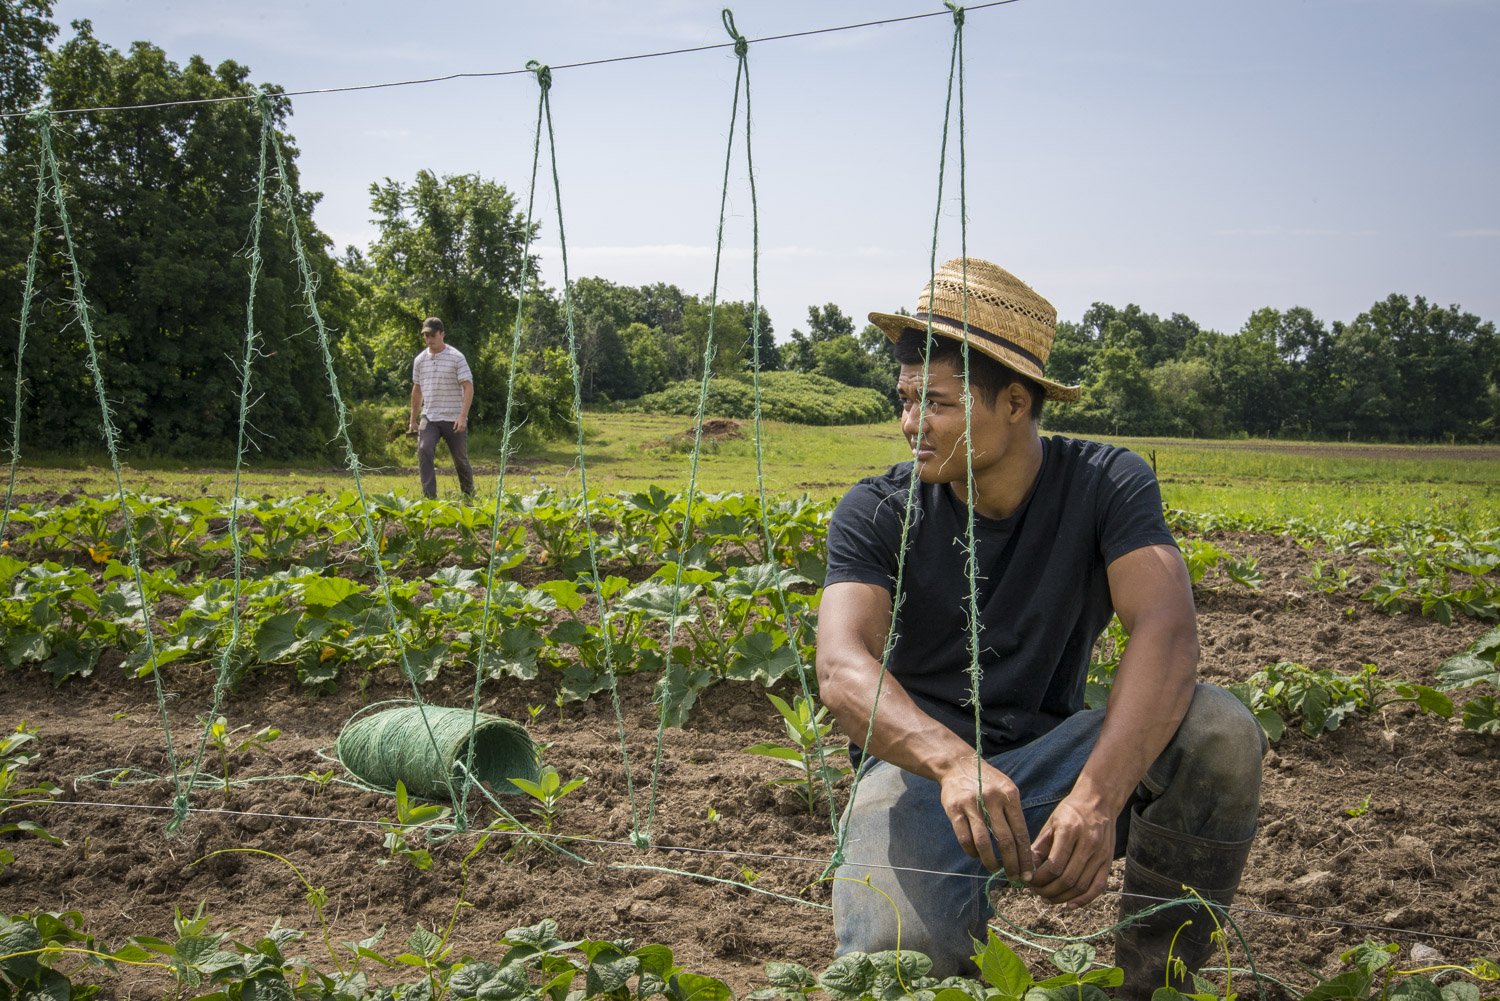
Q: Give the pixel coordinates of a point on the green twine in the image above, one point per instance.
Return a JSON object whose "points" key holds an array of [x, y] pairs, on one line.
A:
{"points": [[544, 81], [670, 670], [372, 545], [955, 71], [111, 441], [251, 351], [507, 427], [27, 296]]}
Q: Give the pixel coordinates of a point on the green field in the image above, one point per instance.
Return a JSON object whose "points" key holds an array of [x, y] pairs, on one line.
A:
{"points": [[1323, 482]]}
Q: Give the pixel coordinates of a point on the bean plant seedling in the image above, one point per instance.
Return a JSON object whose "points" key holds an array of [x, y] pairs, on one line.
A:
{"points": [[410, 818], [808, 754], [224, 743], [14, 757]]}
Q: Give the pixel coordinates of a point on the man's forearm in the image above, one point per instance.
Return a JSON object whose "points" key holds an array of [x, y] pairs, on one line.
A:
{"points": [[416, 403]]}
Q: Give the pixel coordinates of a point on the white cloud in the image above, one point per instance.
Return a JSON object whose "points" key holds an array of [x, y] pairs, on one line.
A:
{"points": [[1468, 234]]}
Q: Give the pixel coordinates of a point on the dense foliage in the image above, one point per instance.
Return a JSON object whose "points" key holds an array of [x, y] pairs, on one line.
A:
{"points": [[161, 201], [794, 397]]}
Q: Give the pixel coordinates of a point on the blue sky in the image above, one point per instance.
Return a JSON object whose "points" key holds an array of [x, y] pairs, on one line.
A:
{"points": [[1188, 155]]}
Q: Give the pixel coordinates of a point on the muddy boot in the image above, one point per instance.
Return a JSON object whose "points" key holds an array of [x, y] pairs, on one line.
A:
{"points": [[1158, 862]]}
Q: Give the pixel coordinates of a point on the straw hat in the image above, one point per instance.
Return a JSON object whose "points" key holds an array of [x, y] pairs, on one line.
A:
{"points": [[1006, 320]]}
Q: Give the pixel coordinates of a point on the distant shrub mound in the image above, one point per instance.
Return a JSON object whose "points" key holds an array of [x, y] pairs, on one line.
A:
{"points": [[793, 397]]}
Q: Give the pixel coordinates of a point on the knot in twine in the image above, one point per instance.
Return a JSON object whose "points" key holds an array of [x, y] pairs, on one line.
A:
{"points": [[958, 13], [543, 74], [41, 114], [741, 44]]}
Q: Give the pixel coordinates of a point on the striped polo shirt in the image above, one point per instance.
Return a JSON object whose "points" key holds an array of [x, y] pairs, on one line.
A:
{"points": [[440, 377]]}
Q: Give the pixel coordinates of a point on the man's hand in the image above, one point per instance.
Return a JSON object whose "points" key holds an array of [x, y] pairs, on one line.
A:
{"points": [[461, 425], [1006, 829], [1074, 851]]}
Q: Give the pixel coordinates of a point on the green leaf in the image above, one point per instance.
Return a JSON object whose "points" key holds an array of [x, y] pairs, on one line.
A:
{"points": [[1074, 958], [564, 592], [775, 751], [696, 987], [1002, 968], [325, 592], [757, 657], [850, 976], [18, 936], [1467, 669], [462, 578], [1460, 990], [1482, 715], [793, 975], [1353, 985], [276, 639], [424, 943], [1416, 988], [1433, 701]]}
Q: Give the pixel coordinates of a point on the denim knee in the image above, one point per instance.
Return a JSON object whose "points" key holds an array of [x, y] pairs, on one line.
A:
{"points": [[1207, 781]]}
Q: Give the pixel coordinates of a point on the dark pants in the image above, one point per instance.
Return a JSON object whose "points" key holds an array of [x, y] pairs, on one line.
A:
{"points": [[458, 447], [1206, 784]]}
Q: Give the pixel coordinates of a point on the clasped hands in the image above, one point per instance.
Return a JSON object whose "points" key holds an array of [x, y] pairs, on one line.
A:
{"points": [[1069, 861]]}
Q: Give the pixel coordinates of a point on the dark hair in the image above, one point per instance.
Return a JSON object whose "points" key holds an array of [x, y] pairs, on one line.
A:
{"points": [[432, 323], [987, 377]]}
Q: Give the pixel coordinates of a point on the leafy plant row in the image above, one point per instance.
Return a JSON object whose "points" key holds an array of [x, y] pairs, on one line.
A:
{"points": [[551, 531], [1426, 568], [51, 956], [1320, 700], [749, 623]]}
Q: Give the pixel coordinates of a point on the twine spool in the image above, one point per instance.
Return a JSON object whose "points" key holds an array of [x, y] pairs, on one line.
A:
{"points": [[394, 744]]}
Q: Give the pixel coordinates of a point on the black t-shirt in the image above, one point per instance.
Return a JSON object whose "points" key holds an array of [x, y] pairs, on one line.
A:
{"points": [[1043, 594]]}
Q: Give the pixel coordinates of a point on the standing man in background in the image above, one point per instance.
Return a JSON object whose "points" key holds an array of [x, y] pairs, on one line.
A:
{"points": [[442, 389]]}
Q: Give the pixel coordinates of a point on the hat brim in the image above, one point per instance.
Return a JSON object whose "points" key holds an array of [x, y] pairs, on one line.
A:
{"points": [[895, 324]]}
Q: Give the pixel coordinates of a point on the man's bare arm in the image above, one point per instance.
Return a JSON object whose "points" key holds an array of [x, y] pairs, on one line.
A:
{"points": [[462, 424], [416, 406], [1152, 690], [853, 621]]}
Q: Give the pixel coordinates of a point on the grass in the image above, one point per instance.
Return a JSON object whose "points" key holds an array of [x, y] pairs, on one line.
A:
{"points": [[1459, 485]]}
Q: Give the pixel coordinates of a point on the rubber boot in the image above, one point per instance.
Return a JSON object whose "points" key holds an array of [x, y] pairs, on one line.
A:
{"points": [[1158, 863]]}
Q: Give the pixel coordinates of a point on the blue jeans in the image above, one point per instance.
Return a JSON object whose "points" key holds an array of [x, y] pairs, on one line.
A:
{"points": [[1205, 784]]}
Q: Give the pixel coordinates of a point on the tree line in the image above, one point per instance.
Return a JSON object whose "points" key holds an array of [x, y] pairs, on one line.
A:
{"points": [[161, 203]]}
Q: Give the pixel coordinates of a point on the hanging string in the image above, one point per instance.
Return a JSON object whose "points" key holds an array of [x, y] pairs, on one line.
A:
{"points": [[507, 428], [27, 296], [671, 673], [791, 626], [111, 441], [372, 545], [955, 68], [637, 837], [971, 547], [223, 675]]}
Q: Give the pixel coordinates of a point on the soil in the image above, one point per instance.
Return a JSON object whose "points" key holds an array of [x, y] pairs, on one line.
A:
{"points": [[1383, 829]]}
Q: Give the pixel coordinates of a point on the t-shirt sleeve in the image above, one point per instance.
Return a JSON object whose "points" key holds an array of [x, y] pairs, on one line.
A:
{"points": [[1130, 509], [415, 377], [463, 374], [864, 536]]}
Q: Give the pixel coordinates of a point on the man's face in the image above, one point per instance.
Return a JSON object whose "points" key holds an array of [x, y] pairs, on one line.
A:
{"points": [[940, 453], [433, 339]]}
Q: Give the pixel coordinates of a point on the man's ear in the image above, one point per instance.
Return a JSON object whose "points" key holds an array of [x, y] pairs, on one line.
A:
{"points": [[1017, 403]]}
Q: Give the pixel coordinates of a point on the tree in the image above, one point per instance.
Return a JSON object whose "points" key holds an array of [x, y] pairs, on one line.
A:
{"points": [[1444, 359], [453, 247], [160, 218], [824, 323]]}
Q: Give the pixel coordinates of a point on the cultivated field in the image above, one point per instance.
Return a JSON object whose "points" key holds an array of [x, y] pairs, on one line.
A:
{"points": [[1346, 629]]}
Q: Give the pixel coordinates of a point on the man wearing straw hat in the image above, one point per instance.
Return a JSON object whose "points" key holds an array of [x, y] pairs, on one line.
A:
{"points": [[976, 752]]}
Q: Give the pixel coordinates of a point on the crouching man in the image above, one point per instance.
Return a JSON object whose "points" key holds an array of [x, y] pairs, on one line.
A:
{"points": [[1066, 533]]}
